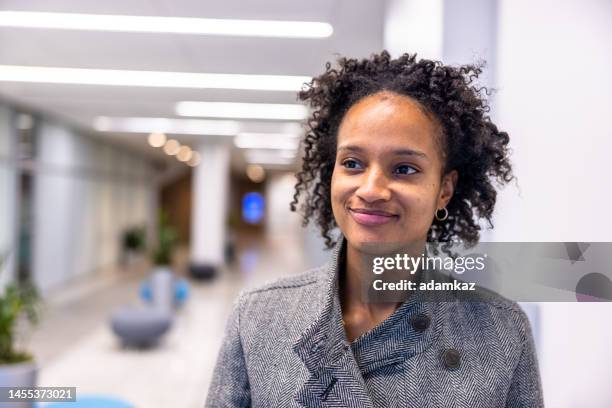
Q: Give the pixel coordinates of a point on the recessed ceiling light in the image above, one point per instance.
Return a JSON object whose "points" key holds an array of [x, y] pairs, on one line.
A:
{"points": [[184, 154], [195, 159], [157, 139], [154, 79], [166, 125], [174, 25], [172, 147], [278, 111], [255, 173]]}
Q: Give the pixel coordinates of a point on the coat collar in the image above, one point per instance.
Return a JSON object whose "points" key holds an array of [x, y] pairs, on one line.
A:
{"points": [[325, 351], [325, 335]]}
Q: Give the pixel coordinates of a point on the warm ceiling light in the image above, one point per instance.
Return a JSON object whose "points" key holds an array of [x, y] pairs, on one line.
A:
{"points": [[247, 140], [156, 79], [255, 173], [166, 125], [195, 159], [175, 25], [184, 154], [172, 147], [157, 139], [278, 111]]}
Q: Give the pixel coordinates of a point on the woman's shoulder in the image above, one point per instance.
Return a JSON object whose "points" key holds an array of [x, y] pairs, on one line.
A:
{"points": [[284, 307], [307, 285], [488, 306], [481, 294], [294, 282], [472, 295]]}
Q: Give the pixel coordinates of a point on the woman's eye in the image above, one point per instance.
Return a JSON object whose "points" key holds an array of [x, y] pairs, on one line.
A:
{"points": [[405, 169], [350, 164]]}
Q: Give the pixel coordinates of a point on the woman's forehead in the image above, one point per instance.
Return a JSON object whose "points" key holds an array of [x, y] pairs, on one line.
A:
{"points": [[397, 120], [386, 110]]}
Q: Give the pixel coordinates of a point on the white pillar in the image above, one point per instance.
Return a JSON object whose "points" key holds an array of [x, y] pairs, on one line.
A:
{"points": [[209, 207], [8, 200]]}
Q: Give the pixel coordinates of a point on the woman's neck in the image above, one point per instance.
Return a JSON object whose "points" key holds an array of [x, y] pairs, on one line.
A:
{"points": [[360, 314]]}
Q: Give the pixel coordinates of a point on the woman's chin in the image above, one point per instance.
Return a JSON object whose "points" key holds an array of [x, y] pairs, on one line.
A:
{"points": [[378, 243], [369, 243]]}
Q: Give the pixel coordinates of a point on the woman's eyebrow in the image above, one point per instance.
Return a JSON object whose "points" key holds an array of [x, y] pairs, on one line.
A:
{"points": [[398, 152]]}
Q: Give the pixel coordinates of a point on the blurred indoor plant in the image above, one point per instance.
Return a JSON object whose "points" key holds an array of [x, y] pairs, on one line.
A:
{"points": [[162, 279], [134, 243], [17, 300], [166, 239]]}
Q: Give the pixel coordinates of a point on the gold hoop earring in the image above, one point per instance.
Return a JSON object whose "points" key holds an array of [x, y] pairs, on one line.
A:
{"points": [[445, 214]]}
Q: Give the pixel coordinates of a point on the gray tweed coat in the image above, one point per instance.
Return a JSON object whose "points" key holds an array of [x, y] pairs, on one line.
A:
{"points": [[285, 346]]}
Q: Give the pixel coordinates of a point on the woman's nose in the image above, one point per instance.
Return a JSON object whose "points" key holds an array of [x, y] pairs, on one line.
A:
{"points": [[374, 186]]}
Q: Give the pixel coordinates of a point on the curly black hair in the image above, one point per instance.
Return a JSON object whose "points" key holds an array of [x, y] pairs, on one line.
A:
{"points": [[470, 142]]}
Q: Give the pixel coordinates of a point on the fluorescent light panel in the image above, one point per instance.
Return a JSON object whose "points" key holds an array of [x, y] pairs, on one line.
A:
{"points": [[284, 153], [175, 25], [260, 158], [159, 79], [167, 125], [267, 141], [242, 110]]}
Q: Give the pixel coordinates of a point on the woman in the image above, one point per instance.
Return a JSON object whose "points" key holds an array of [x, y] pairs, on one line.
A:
{"points": [[397, 151]]}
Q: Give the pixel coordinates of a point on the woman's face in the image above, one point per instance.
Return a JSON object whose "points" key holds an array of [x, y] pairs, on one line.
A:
{"points": [[387, 181]]}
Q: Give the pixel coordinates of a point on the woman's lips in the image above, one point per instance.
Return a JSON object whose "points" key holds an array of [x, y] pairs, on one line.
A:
{"points": [[365, 217]]}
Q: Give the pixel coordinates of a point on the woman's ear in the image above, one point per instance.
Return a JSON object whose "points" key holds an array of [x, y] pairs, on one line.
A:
{"points": [[449, 182]]}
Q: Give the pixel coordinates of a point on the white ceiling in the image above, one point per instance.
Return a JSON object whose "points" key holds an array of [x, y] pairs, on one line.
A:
{"points": [[358, 31]]}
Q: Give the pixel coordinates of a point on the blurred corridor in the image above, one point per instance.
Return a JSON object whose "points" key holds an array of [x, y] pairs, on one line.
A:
{"points": [[177, 373]]}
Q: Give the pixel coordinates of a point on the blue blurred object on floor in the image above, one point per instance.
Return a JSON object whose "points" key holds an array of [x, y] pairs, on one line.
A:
{"points": [[181, 292], [88, 401]]}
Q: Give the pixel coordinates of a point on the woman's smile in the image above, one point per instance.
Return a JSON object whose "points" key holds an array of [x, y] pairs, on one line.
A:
{"points": [[371, 217]]}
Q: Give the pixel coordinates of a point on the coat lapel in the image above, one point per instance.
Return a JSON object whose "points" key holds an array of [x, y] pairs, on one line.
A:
{"points": [[335, 368], [335, 378]]}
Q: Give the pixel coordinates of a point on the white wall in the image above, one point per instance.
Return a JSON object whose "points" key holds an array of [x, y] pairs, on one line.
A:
{"points": [[414, 26], [555, 93], [551, 63], [85, 194]]}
